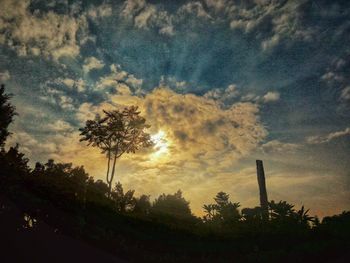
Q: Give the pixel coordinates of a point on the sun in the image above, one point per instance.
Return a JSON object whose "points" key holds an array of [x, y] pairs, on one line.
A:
{"points": [[161, 144]]}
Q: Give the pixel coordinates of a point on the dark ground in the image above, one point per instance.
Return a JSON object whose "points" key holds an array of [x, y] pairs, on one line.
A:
{"points": [[42, 243]]}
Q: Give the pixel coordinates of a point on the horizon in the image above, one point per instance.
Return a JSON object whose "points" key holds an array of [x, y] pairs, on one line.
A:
{"points": [[221, 83]]}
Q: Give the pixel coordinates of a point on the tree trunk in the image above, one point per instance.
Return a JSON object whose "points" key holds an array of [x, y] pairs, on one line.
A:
{"points": [[112, 176], [108, 165]]}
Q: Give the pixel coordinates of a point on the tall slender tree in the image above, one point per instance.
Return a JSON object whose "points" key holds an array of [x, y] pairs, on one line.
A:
{"points": [[116, 133]]}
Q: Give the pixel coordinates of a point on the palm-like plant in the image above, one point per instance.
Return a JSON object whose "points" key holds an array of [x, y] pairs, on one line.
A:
{"points": [[281, 210], [302, 216]]}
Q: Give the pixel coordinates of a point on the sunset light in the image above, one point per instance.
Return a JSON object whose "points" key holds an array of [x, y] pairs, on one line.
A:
{"points": [[159, 129], [160, 145]]}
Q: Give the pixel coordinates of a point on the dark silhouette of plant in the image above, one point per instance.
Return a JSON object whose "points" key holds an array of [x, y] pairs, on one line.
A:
{"points": [[281, 210], [7, 112], [124, 202], [337, 225], [116, 133], [303, 218], [56, 193], [97, 191], [39, 169], [223, 211], [142, 205], [13, 162], [252, 214], [286, 218], [172, 205]]}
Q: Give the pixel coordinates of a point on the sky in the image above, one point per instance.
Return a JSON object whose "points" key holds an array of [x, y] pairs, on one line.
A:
{"points": [[222, 83]]}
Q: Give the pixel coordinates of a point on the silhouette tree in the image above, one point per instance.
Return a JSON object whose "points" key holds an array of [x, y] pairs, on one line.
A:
{"points": [[223, 211], [142, 205], [39, 169], [97, 191], [7, 111], [338, 225], [13, 162], [116, 133], [172, 205], [123, 202]]}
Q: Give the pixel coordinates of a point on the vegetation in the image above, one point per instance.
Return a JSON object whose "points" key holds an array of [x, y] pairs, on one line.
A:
{"points": [[60, 199], [7, 111], [116, 133]]}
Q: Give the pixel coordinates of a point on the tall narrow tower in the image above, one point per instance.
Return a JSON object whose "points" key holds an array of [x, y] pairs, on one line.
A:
{"points": [[262, 188]]}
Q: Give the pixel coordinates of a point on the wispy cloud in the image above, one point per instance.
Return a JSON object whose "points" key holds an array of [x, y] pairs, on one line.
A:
{"points": [[318, 139], [276, 146]]}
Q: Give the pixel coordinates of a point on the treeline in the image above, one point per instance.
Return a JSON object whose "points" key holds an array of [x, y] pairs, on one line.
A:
{"points": [[164, 230], [69, 186]]}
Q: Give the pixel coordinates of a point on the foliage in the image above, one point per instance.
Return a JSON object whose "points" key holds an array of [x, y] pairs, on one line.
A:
{"points": [[282, 213], [142, 205], [116, 133], [7, 112], [223, 212], [13, 162], [67, 198], [123, 202], [174, 205]]}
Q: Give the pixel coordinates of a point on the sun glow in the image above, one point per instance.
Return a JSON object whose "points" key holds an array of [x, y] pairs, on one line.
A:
{"points": [[161, 144]]}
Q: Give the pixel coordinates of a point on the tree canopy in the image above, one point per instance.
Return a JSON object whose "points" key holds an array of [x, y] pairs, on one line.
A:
{"points": [[7, 111], [115, 133]]}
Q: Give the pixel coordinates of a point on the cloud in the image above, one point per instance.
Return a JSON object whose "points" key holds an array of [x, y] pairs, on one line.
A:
{"points": [[74, 84], [331, 76], [271, 96], [37, 33], [59, 126], [276, 146], [133, 81], [251, 97], [118, 77], [218, 5], [197, 128], [91, 63], [194, 8], [318, 139], [345, 94], [270, 21], [104, 10], [337, 78], [203, 142], [131, 7], [58, 96], [174, 83], [225, 96], [5, 76], [32, 147], [147, 16]]}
